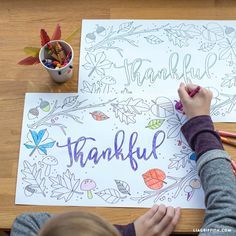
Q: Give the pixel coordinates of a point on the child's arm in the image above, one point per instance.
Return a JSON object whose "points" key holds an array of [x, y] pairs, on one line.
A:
{"points": [[29, 224], [213, 163]]}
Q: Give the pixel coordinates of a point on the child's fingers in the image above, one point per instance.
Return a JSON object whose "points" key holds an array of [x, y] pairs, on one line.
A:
{"points": [[173, 223], [166, 220], [151, 212], [190, 87], [159, 214], [183, 95]]}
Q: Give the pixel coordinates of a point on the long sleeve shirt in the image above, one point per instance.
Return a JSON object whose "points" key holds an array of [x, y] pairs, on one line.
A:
{"points": [[217, 178]]}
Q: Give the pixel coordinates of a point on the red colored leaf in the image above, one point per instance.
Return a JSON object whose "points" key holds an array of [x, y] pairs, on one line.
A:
{"points": [[154, 178], [57, 33], [44, 37], [99, 116], [29, 61]]}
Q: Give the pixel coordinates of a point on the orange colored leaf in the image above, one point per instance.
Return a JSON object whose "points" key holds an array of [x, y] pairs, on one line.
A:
{"points": [[57, 33], [154, 178], [44, 37], [29, 61]]}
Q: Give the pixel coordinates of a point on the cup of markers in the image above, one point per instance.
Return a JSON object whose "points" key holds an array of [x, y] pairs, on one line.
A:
{"points": [[56, 57]]}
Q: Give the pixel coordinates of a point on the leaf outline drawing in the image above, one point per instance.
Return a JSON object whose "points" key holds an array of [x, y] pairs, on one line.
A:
{"points": [[64, 186], [180, 159], [134, 106], [213, 32], [229, 80], [123, 116], [180, 34], [33, 176], [206, 47], [228, 49], [124, 27], [176, 123], [127, 110], [69, 101], [152, 39], [123, 187], [110, 195], [96, 63]]}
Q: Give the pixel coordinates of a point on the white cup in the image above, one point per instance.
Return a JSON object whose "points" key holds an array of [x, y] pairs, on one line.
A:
{"points": [[62, 74]]}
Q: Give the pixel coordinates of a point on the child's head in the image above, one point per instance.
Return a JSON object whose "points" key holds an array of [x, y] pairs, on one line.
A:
{"points": [[78, 224]]}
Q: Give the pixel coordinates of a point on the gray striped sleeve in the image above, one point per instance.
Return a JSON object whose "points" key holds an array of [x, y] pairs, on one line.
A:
{"points": [[219, 184]]}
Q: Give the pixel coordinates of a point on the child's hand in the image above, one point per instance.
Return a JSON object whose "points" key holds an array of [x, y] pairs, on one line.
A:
{"points": [[197, 105], [159, 220]]}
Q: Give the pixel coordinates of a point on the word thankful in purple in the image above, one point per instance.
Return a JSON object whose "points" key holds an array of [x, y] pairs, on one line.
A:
{"points": [[77, 154]]}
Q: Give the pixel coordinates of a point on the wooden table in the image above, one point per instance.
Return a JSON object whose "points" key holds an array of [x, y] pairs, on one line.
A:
{"points": [[20, 22]]}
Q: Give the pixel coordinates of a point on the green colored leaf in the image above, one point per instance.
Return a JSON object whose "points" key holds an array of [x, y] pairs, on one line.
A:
{"points": [[72, 35], [32, 51], [155, 124]]}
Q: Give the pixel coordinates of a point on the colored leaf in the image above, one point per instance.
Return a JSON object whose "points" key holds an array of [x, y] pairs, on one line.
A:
{"points": [[29, 61], [72, 35], [123, 187], [154, 178], [99, 115], [44, 37], [39, 141], [155, 124], [57, 33], [31, 51], [110, 195]]}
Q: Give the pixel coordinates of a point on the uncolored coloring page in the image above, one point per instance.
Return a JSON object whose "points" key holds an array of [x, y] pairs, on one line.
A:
{"points": [[154, 56]]}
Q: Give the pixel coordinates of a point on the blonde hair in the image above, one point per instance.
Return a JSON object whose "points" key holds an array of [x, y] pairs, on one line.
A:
{"points": [[78, 224]]}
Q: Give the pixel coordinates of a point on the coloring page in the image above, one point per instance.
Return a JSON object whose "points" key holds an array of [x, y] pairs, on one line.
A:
{"points": [[113, 151], [154, 56]]}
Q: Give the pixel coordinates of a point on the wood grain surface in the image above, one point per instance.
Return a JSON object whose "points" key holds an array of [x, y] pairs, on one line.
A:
{"points": [[20, 22]]}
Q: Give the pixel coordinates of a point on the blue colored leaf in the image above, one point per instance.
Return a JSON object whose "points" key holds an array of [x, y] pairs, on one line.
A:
{"points": [[44, 147]]}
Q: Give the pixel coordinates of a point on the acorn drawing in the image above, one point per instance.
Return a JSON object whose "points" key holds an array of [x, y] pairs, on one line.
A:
{"points": [[44, 105], [229, 30], [33, 113], [90, 37], [100, 30]]}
